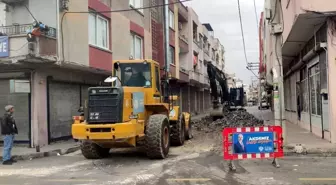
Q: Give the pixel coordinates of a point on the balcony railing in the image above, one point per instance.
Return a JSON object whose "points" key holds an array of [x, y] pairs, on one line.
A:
{"points": [[206, 79], [183, 11], [182, 69], [198, 43], [22, 29], [206, 51], [195, 76], [184, 38]]}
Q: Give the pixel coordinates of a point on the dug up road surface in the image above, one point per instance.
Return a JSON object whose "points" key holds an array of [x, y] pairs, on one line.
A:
{"points": [[198, 162]]}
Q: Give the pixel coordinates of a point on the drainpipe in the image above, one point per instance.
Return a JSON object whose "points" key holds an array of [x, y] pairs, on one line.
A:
{"points": [[58, 32], [324, 46], [166, 48]]}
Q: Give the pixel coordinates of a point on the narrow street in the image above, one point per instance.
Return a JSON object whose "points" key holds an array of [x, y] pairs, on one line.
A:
{"points": [[199, 162]]}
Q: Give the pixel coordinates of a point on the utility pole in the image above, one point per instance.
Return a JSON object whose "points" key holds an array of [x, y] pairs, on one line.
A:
{"points": [[276, 25], [259, 91]]}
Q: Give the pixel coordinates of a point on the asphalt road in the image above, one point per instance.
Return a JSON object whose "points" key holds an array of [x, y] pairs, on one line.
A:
{"points": [[180, 169], [199, 162], [185, 166]]}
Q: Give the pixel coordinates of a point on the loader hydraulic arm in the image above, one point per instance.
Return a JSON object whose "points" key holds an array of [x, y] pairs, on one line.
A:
{"points": [[216, 75]]}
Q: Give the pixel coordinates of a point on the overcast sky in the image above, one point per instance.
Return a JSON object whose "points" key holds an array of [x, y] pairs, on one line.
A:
{"points": [[224, 18]]}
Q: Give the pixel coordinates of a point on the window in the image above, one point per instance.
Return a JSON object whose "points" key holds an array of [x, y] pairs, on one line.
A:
{"points": [[137, 4], [171, 20], [314, 86], [98, 31], [134, 75], [171, 55], [200, 41], [136, 47], [157, 77]]}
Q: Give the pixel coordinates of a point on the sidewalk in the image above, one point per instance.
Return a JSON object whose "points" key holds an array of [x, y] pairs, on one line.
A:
{"points": [[299, 140], [20, 152]]}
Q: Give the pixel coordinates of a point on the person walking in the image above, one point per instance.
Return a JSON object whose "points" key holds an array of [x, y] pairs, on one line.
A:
{"points": [[8, 130]]}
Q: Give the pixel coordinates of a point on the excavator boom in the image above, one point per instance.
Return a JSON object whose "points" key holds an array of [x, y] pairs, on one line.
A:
{"points": [[221, 97]]}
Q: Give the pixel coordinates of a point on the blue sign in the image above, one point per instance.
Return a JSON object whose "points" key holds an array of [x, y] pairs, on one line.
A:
{"points": [[138, 102], [253, 142], [4, 46]]}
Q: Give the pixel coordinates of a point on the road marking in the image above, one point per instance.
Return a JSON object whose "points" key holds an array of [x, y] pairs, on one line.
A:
{"points": [[190, 179], [317, 179], [70, 180]]}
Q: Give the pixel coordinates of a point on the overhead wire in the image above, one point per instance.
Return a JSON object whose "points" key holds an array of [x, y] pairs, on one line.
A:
{"points": [[276, 38], [258, 26], [31, 14], [111, 11], [243, 38], [256, 14]]}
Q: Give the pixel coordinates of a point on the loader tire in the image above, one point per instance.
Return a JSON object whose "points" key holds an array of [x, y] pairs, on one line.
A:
{"points": [[93, 151], [188, 132], [178, 132], [157, 137]]}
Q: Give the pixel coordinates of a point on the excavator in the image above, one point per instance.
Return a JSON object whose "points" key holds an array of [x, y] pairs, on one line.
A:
{"points": [[223, 98], [136, 111]]}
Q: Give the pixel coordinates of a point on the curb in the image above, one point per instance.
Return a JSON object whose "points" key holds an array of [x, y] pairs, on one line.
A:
{"points": [[318, 152], [45, 154]]}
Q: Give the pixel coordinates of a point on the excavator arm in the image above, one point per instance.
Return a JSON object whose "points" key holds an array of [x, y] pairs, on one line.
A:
{"points": [[217, 76]]}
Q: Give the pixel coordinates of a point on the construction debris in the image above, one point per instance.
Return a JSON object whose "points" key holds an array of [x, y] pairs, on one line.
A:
{"points": [[237, 118]]}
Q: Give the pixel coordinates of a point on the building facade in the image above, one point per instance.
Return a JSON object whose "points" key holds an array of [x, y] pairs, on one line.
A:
{"points": [[46, 79], [308, 61]]}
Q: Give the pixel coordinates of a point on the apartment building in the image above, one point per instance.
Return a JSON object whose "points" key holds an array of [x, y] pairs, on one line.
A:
{"points": [[231, 80], [46, 79], [308, 61], [218, 54]]}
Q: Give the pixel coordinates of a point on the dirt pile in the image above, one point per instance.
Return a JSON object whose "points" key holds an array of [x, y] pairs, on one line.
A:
{"points": [[231, 119]]}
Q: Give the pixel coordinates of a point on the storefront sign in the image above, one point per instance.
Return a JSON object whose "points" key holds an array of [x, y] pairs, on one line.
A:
{"points": [[257, 142], [4, 48], [252, 142], [19, 86]]}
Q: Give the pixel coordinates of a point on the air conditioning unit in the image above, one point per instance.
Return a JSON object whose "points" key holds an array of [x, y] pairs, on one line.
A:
{"points": [[180, 26]]}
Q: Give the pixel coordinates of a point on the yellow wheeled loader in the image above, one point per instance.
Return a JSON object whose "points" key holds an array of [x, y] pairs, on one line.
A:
{"points": [[132, 112]]}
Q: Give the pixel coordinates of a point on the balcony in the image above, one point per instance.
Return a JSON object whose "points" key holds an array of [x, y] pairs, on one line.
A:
{"points": [[197, 45], [183, 42], [184, 76], [183, 12], [301, 19], [292, 9], [206, 81], [19, 48], [196, 78], [172, 70], [206, 51]]}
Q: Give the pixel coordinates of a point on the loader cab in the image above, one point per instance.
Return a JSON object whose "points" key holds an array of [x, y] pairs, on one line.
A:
{"points": [[139, 73]]}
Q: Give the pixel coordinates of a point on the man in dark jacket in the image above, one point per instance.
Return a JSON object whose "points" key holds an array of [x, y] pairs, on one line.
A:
{"points": [[239, 145], [8, 130]]}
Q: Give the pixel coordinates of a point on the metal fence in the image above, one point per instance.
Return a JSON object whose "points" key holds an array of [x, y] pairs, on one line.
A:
{"points": [[20, 29]]}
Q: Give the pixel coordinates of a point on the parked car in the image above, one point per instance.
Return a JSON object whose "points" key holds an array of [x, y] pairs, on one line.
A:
{"points": [[264, 104]]}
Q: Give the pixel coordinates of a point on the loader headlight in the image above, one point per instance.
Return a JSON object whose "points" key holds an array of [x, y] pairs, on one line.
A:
{"points": [[172, 113]]}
